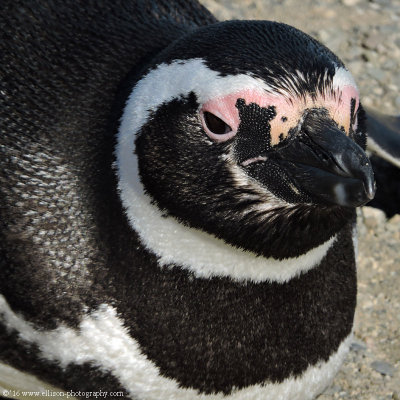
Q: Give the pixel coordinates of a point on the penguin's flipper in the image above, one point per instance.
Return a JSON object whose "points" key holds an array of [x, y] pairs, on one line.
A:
{"points": [[384, 144], [384, 136]]}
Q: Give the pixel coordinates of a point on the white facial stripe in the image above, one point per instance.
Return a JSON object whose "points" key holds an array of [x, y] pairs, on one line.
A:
{"points": [[103, 341], [343, 78], [172, 242]]}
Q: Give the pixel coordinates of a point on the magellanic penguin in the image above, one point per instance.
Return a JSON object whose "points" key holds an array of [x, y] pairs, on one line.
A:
{"points": [[177, 203]]}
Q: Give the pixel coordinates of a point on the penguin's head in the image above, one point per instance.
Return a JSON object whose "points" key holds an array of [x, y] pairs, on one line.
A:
{"points": [[251, 131]]}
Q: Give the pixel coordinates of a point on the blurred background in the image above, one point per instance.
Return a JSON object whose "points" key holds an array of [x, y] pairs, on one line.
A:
{"points": [[365, 34]]}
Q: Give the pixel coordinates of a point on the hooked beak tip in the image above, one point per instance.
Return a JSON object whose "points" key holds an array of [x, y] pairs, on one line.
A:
{"points": [[370, 189]]}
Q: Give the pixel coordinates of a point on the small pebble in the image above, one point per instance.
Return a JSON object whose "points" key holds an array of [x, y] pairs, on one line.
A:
{"points": [[373, 217], [389, 64], [377, 73], [395, 220], [358, 346], [375, 6], [372, 42], [350, 3], [383, 367], [378, 91]]}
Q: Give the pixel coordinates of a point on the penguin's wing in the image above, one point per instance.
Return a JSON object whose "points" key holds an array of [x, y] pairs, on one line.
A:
{"points": [[384, 136], [384, 145]]}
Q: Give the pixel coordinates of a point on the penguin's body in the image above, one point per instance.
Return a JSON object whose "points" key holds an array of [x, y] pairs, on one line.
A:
{"points": [[176, 220]]}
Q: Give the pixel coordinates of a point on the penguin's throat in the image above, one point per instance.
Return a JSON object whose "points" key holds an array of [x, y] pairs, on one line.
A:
{"points": [[206, 256]]}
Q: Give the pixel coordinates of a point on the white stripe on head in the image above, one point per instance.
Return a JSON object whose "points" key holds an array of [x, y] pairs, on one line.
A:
{"points": [[343, 78], [171, 241], [103, 341]]}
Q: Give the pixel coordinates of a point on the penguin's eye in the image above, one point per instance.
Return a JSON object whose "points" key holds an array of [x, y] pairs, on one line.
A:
{"points": [[215, 127], [215, 124]]}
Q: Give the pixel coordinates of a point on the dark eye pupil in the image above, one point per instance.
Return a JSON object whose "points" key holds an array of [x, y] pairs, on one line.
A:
{"points": [[215, 124]]}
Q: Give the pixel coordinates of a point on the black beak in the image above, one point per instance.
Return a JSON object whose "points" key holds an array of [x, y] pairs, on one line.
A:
{"points": [[327, 164]]}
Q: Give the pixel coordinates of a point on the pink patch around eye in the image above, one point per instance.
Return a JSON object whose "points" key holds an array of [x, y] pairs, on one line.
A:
{"points": [[225, 109], [289, 111]]}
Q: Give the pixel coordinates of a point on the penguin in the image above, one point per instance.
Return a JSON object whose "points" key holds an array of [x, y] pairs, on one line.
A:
{"points": [[178, 204], [384, 148]]}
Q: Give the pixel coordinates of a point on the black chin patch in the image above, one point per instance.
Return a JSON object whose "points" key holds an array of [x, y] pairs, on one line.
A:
{"points": [[254, 133]]}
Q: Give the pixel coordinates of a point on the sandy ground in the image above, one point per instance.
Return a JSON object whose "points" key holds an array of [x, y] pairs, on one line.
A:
{"points": [[366, 36]]}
